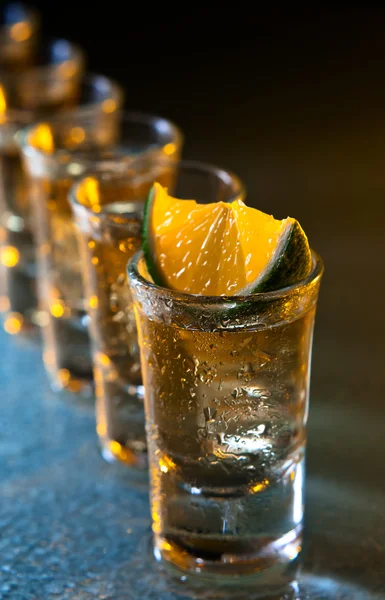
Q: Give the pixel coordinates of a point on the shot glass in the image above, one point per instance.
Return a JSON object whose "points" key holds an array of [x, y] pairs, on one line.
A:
{"points": [[108, 207], [226, 384], [24, 97], [19, 27], [54, 154]]}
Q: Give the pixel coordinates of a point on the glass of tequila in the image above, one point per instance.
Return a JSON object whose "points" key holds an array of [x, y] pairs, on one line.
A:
{"points": [[79, 145], [55, 153], [19, 27], [108, 206], [226, 383], [26, 96]]}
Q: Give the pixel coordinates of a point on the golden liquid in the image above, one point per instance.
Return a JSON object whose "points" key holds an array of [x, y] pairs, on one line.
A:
{"points": [[18, 45], [120, 410], [109, 238], [17, 244], [17, 252], [226, 414], [67, 351]]}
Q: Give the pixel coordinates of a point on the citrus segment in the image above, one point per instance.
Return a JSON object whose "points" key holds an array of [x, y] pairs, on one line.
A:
{"points": [[220, 248]]}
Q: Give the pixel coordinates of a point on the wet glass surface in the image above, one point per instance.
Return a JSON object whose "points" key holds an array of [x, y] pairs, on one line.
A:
{"points": [[74, 527], [303, 125]]}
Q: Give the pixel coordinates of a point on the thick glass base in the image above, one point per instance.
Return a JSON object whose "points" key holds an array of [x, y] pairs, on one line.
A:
{"points": [[268, 570], [112, 452], [119, 415], [66, 382]]}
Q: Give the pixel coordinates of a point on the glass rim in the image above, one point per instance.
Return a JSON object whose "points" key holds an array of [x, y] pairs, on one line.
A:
{"points": [[83, 112], [26, 116], [240, 191], [43, 70], [28, 121], [198, 300]]}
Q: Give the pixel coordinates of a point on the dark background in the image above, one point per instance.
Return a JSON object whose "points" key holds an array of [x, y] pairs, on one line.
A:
{"points": [[294, 103]]}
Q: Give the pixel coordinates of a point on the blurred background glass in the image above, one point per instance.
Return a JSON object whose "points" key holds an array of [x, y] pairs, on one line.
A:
{"points": [[51, 84], [108, 206], [55, 153], [19, 28], [291, 99]]}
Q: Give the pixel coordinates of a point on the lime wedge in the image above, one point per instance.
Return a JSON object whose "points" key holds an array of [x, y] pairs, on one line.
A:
{"points": [[220, 249]]}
